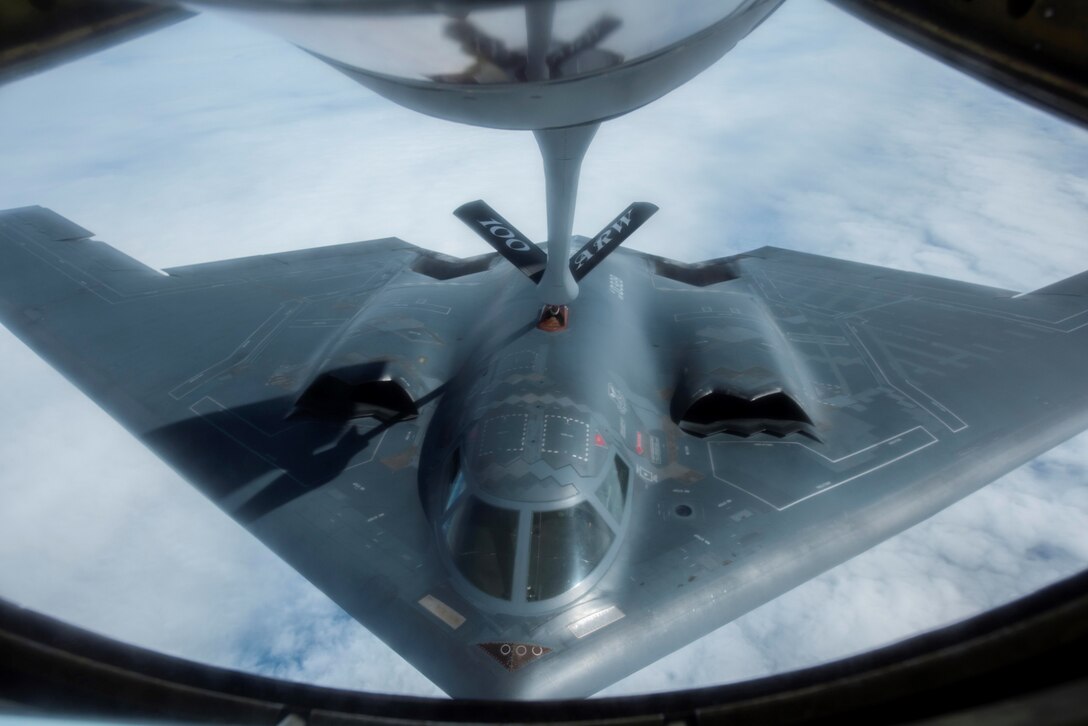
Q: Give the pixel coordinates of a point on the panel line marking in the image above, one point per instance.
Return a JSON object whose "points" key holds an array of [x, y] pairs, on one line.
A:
{"points": [[826, 486], [250, 346], [871, 359]]}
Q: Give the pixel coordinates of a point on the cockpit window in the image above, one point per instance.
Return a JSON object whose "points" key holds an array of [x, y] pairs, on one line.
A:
{"points": [[567, 544], [613, 492], [457, 486], [482, 540]]}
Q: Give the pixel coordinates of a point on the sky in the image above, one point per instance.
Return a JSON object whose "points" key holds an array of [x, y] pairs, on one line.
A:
{"points": [[209, 141]]}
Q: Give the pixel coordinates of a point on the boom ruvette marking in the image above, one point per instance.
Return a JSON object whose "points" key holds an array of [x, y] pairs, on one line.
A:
{"points": [[532, 479]]}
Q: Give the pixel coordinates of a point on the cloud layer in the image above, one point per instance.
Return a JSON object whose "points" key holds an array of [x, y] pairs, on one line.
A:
{"points": [[209, 141]]}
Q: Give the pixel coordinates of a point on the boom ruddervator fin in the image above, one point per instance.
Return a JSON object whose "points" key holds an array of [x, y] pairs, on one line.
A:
{"points": [[609, 238], [511, 244], [527, 256]]}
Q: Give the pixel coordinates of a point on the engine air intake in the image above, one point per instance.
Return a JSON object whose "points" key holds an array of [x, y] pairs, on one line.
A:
{"points": [[357, 392], [719, 411]]}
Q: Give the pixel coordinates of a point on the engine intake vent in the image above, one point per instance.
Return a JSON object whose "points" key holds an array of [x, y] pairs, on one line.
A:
{"points": [[443, 267], [357, 392], [774, 412], [700, 274]]}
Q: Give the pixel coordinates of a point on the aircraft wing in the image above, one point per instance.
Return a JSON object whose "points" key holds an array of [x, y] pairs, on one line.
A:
{"points": [[205, 365], [917, 390]]}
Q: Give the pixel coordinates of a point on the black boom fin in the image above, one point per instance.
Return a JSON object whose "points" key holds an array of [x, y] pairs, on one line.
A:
{"points": [[515, 247], [610, 238]]}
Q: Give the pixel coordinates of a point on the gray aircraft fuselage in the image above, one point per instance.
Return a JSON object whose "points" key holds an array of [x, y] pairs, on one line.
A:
{"points": [[533, 422]]}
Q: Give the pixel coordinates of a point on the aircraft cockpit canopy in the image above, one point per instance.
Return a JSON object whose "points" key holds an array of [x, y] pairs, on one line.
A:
{"points": [[531, 552]]}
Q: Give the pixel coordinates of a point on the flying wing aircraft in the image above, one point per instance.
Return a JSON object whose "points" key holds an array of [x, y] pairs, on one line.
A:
{"points": [[527, 508], [534, 500]]}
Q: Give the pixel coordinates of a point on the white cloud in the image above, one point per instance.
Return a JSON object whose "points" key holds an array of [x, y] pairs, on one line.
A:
{"points": [[206, 141]]}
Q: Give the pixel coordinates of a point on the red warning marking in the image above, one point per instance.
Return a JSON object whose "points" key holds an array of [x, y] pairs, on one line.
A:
{"points": [[638, 443], [598, 440]]}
